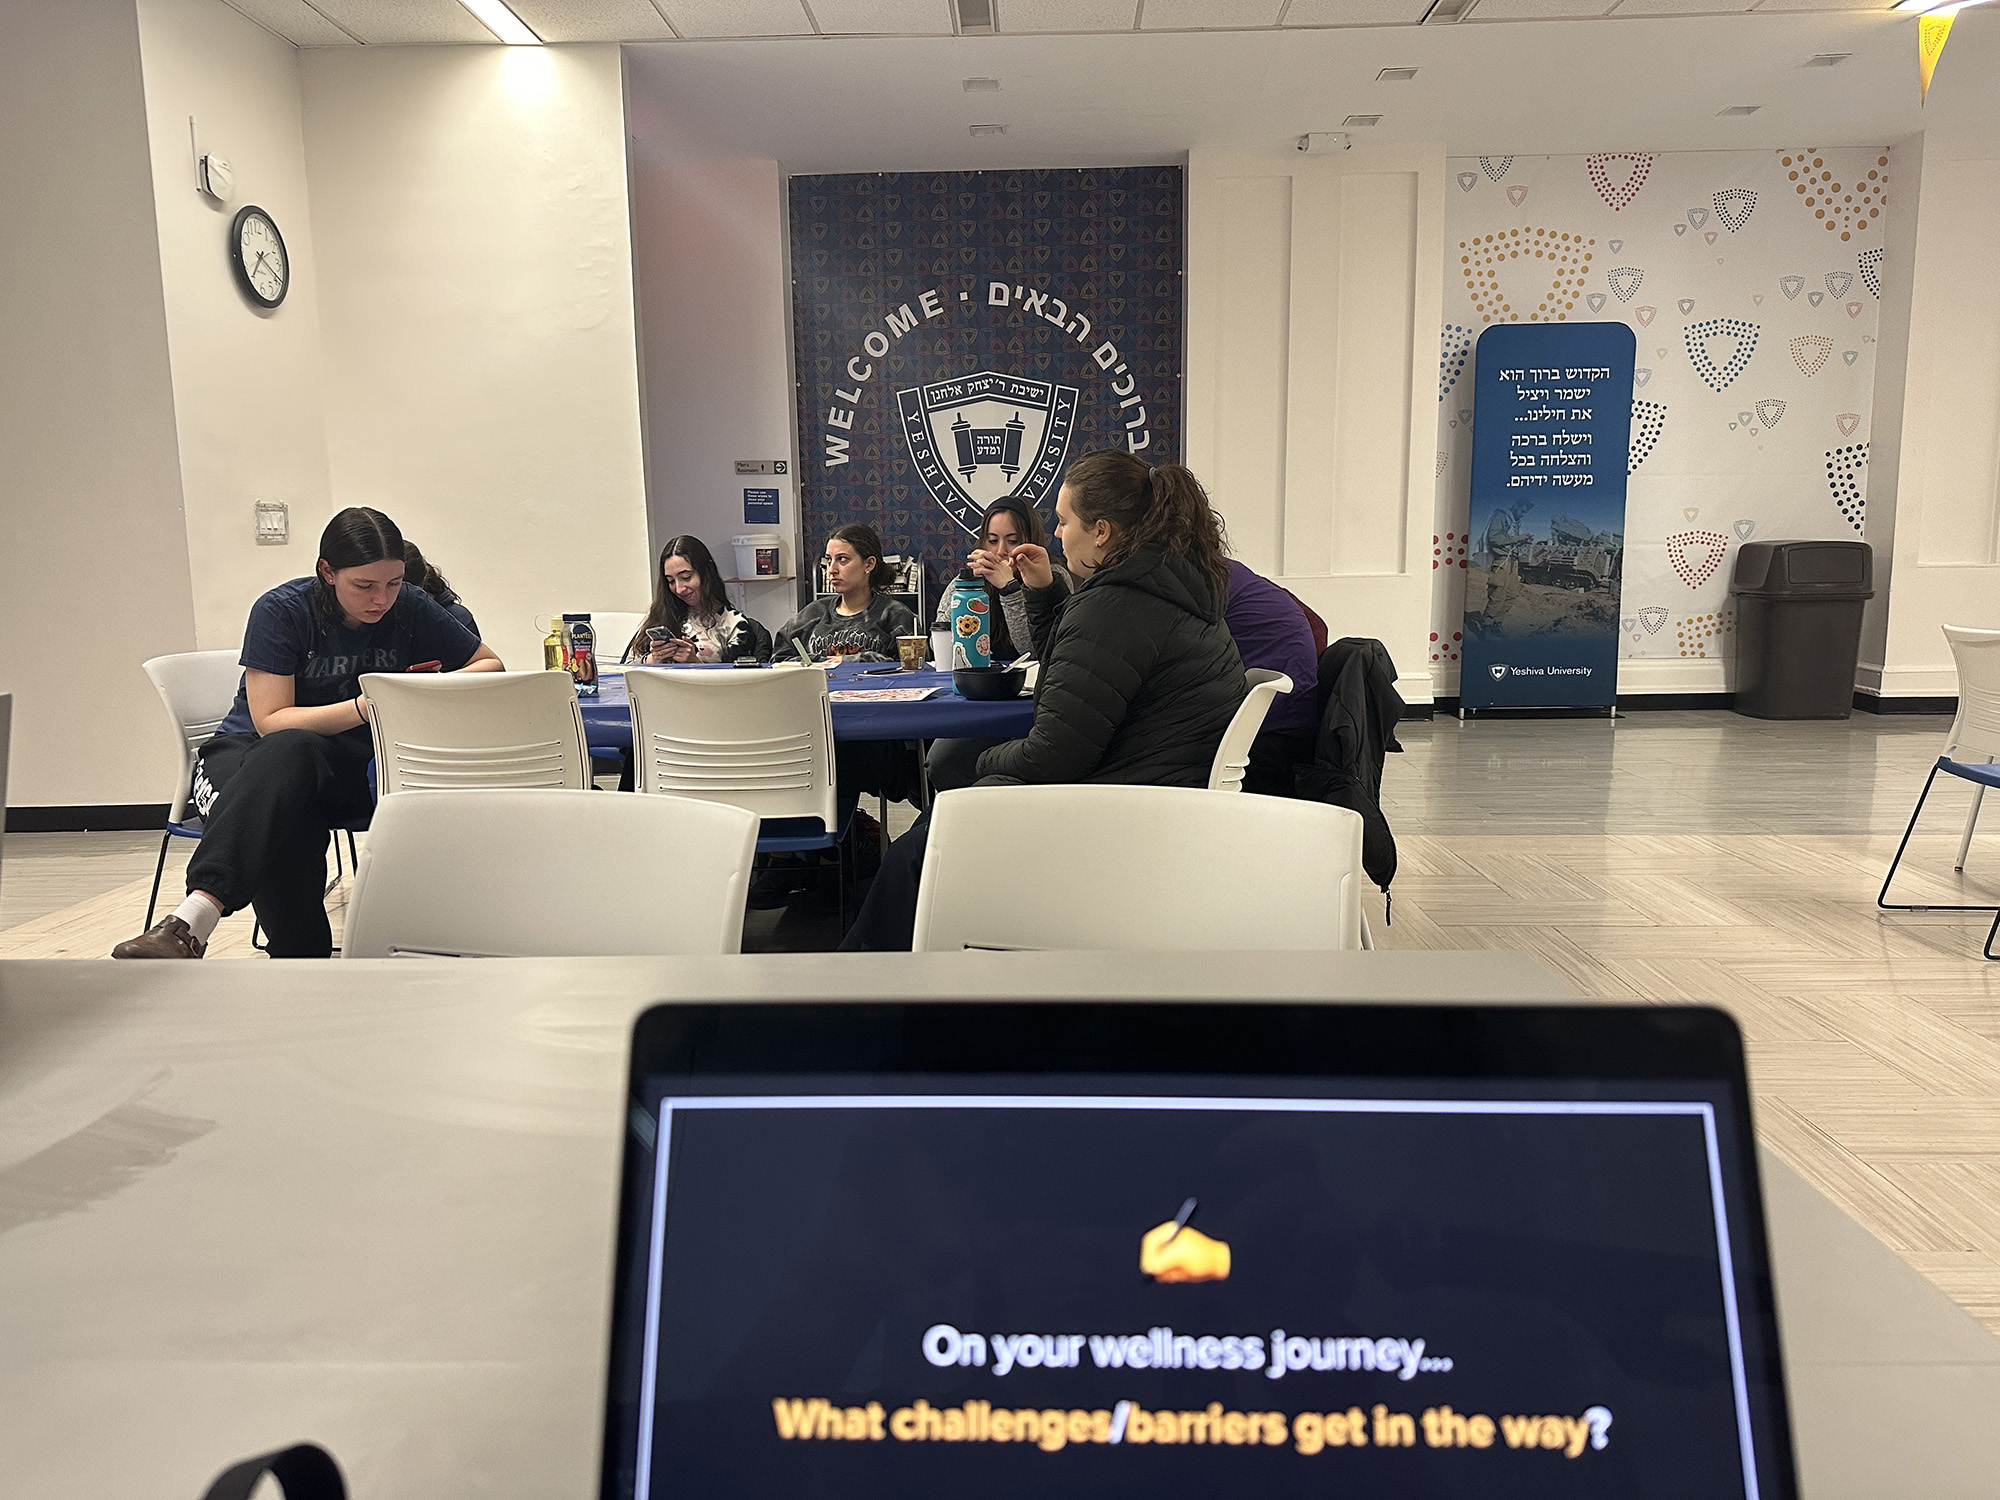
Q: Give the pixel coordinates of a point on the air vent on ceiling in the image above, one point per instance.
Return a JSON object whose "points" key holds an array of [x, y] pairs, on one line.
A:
{"points": [[976, 17], [982, 85], [986, 129], [1445, 12], [1826, 59], [1362, 120], [1736, 111], [1395, 75]]}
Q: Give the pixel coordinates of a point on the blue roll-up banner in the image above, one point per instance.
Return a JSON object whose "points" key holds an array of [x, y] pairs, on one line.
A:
{"points": [[1551, 432]]}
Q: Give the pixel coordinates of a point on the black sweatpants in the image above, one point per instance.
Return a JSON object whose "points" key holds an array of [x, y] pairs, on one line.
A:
{"points": [[267, 803]]}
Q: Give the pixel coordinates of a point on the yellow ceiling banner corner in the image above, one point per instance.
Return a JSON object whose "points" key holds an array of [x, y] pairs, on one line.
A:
{"points": [[1931, 33]]}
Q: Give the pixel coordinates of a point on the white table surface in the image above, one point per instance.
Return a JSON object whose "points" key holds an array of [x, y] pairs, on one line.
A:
{"points": [[372, 1204]]}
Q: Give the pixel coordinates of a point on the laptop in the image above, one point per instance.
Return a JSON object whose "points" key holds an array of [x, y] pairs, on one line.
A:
{"points": [[988, 1250]]}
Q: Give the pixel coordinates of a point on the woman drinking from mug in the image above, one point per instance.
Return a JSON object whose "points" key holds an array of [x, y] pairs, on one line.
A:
{"points": [[1006, 525], [1139, 675], [692, 618], [290, 760]]}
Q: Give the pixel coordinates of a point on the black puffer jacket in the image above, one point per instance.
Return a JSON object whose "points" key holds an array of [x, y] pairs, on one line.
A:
{"points": [[1139, 679]]}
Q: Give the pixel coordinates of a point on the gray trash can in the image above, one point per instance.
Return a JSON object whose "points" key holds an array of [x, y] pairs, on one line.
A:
{"points": [[1798, 626]]}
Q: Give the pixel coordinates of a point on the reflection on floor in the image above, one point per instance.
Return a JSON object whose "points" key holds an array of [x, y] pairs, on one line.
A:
{"points": [[1666, 857]]}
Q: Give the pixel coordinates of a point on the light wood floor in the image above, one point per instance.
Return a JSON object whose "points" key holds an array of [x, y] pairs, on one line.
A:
{"points": [[1666, 857]]}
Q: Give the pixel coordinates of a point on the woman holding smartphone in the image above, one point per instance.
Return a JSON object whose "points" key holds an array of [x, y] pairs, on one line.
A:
{"points": [[692, 618], [289, 762]]}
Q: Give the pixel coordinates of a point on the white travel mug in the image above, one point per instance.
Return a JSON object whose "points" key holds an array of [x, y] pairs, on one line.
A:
{"points": [[941, 649]]}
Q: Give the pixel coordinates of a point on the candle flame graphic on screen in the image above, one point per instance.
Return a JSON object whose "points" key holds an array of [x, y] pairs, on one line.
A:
{"points": [[1174, 1252]]}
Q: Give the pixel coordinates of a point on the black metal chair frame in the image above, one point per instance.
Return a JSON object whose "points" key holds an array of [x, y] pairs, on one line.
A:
{"points": [[256, 930], [1951, 767]]}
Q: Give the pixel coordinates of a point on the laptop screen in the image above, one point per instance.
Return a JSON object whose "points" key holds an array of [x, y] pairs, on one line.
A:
{"points": [[1167, 1249]]}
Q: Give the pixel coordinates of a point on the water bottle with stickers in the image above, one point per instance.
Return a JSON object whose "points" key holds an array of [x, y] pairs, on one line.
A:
{"points": [[971, 616]]}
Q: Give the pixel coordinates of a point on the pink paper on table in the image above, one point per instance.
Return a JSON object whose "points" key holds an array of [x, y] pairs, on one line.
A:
{"points": [[882, 695]]}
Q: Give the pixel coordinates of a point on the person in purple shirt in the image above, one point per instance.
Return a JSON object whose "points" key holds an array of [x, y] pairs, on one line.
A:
{"points": [[1271, 631]]}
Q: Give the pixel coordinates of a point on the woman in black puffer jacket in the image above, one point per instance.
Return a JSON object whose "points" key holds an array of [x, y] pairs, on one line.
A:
{"points": [[1140, 676]]}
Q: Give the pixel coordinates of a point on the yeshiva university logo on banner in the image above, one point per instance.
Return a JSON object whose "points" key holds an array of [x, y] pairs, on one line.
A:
{"points": [[963, 337], [988, 437]]}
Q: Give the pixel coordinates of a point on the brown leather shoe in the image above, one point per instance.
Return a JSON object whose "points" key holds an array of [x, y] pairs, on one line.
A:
{"points": [[169, 937]]}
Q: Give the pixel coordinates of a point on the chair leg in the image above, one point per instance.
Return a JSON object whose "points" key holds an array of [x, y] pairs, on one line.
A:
{"points": [[153, 901], [1882, 896], [1992, 933], [1965, 844]]}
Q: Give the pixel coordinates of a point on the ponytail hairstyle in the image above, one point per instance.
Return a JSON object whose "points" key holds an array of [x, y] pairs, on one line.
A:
{"points": [[1147, 506], [668, 611], [355, 538], [866, 543], [419, 571], [1025, 517]]}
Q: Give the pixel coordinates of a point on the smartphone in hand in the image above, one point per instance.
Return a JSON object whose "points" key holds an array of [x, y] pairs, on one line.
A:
{"points": [[426, 666]]}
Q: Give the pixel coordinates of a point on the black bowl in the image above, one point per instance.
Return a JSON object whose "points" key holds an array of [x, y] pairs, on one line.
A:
{"points": [[989, 684]]}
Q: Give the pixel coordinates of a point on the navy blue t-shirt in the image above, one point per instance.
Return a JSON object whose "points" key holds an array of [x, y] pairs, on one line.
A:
{"points": [[289, 637]]}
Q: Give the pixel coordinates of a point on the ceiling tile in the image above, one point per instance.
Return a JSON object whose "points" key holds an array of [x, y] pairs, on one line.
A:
{"points": [[295, 21], [1356, 12], [1538, 10], [592, 20], [1203, 15], [883, 17], [1017, 16], [387, 23], [1682, 7], [738, 17]]}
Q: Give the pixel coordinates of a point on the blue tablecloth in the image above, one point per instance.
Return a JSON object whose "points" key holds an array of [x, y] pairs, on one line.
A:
{"points": [[607, 718]]}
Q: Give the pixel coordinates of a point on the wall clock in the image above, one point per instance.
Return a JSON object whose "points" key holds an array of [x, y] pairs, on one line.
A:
{"points": [[258, 253]]}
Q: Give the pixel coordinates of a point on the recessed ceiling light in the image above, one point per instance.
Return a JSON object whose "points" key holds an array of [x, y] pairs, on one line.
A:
{"points": [[982, 85], [502, 22], [1395, 75], [976, 17], [1826, 59], [1445, 12], [986, 129], [1362, 120], [1735, 111]]}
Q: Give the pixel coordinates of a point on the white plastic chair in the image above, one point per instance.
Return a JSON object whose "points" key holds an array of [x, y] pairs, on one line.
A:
{"points": [[762, 741], [1970, 750], [483, 730], [1142, 867], [1233, 754], [495, 874]]}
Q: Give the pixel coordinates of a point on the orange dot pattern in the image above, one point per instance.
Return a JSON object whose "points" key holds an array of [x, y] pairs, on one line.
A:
{"points": [[1564, 257], [1699, 632], [1844, 208]]}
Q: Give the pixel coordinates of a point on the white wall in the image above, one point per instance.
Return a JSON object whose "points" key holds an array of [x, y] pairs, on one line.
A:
{"points": [[247, 396], [715, 310], [475, 295], [1312, 288], [94, 569], [1940, 483]]}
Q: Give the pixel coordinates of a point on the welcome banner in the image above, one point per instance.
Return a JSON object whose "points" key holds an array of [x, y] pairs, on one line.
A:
{"points": [[961, 336]]}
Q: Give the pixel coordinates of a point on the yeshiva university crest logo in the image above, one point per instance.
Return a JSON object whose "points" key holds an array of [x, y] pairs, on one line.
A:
{"points": [[992, 434], [987, 437]]}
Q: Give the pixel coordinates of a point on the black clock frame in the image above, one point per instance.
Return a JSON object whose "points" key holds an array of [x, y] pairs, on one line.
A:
{"points": [[242, 271]]}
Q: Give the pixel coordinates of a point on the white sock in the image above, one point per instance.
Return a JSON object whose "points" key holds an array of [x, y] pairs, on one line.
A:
{"points": [[200, 913]]}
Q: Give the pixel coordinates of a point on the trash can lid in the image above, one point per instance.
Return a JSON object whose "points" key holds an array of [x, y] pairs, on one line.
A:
{"points": [[1805, 570]]}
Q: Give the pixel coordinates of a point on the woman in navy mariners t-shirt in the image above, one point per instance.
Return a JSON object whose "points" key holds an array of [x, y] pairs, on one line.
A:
{"points": [[291, 759]]}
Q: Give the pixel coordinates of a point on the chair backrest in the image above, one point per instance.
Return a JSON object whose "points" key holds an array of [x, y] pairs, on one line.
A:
{"points": [[614, 629], [1139, 867], [1233, 754], [199, 689], [470, 730], [760, 740], [498, 874], [1976, 730]]}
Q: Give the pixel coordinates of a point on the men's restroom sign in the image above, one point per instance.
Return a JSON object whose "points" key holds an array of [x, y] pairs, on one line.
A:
{"points": [[987, 436]]}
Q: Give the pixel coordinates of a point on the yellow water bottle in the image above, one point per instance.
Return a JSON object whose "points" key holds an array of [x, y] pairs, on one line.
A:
{"points": [[552, 648]]}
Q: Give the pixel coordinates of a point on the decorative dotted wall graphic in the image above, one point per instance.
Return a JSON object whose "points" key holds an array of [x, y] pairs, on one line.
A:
{"points": [[1517, 195], [1695, 555], [1847, 421], [1466, 181], [1849, 356], [1596, 301], [1495, 167], [1454, 344], [1645, 315], [1720, 377], [1770, 413], [1699, 634], [1743, 530], [1649, 420], [1624, 281], [1843, 478], [1448, 552], [1837, 282], [1870, 262], [1446, 650], [1618, 175], [1697, 217], [1443, 459], [1815, 298], [1810, 352], [1734, 206], [1651, 618], [1565, 260], [1846, 208]]}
